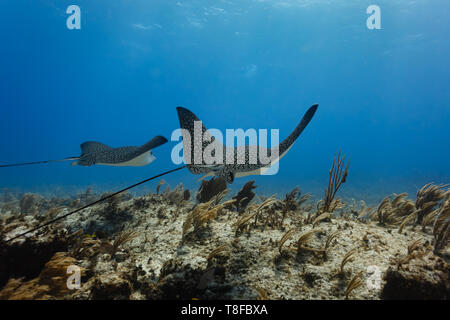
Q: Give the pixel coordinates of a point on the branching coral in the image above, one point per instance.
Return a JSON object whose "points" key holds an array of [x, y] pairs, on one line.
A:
{"points": [[285, 238], [188, 223], [222, 195], [323, 216], [356, 282], [385, 213], [290, 202], [158, 186], [88, 246], [427, 197], [424, 211], [85, 247], [393, 212], [415, 250], [199, 216], [122, 238], [337, 176], [50, 284], [175, 196], [263, 205], [295, 199], [243, 222], [304, 239], [441, 227], [331, 238], [303, 199], [244, 196], [414, 246], [429, 218], [364, 214], [347, 258], [210, 188]]}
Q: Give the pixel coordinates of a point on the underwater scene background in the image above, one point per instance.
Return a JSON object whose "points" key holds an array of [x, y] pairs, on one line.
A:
{"points": [[360, 206], [383, 94]]}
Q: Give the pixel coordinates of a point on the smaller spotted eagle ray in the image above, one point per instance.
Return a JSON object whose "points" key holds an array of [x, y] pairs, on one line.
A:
{"points": [[93, 152]]}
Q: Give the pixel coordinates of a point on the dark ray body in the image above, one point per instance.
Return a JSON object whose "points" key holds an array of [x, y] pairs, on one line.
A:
{"points": [[245, 162]]}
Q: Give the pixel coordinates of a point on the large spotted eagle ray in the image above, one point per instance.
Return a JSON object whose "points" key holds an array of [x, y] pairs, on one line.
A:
{"points": [[241, 165]]}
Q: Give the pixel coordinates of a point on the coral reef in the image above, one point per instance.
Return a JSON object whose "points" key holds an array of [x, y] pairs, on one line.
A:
{"points": [[429, 209], [50, 284], [26, 258], [165, 246]]}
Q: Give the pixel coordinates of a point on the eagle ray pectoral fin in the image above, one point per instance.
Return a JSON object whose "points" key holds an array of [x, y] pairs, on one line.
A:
{"points": [[155, 142]]}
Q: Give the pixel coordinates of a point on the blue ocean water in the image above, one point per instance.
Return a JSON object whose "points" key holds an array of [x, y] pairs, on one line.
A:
{"points": [[383, 94]]}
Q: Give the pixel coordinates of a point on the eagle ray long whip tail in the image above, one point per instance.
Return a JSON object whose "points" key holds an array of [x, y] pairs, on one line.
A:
{"points": [[95, 202], [35, 162]]}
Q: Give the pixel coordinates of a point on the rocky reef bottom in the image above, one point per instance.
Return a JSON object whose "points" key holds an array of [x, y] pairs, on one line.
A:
{"points": [[166, 246]]}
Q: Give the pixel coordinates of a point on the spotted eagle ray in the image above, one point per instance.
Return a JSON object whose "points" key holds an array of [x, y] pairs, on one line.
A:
{"points": [[235, 169], [93, 152]]}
